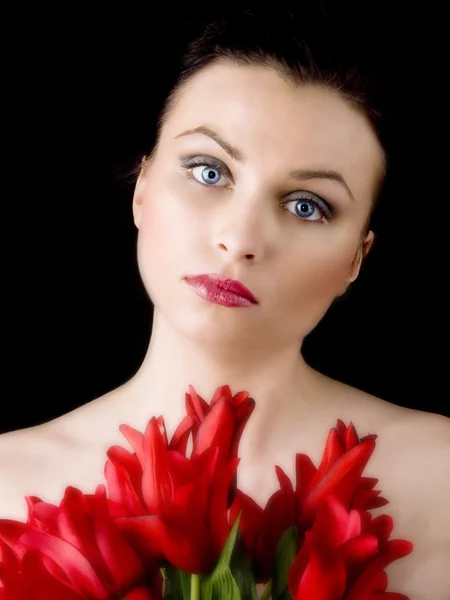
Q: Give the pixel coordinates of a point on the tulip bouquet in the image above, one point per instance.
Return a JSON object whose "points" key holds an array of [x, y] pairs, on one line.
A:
{"points": [[171, 523]]}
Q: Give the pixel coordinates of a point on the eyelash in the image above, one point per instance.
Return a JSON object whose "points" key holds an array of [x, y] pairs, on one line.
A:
{"points": [[208, 161]]}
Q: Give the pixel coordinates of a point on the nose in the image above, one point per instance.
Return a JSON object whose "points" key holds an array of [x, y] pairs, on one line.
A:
{"points": [[245, 230], [237, 250]]}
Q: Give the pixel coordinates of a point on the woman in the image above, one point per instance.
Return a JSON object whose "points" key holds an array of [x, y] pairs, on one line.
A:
{"points": [[266, 171]]}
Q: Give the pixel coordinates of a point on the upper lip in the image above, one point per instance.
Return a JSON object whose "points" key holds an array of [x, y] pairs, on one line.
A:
{"points": [[225, 283]]}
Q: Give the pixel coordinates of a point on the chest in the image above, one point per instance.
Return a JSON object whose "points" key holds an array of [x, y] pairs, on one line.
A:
{"points": [[399, 482], [422, 575]]}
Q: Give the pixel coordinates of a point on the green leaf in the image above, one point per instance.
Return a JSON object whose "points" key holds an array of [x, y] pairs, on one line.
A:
{"points": [[284, 557], [225, 557], [184, 584], [222, 586], [177, 584], [220, 583], [242, 572], [285, 595]]}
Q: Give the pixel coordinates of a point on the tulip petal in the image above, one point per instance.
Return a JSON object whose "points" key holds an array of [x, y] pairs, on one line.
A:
{"points": [[359, 549], [181, 435], [75, 527], [341, 481], [135, 439], [382, 526], [125, 568], [217, 429], [195, 405], [393, 550], [75, 565], [218, 505], [305, 472], [10, 533], [43, 585], [157, 489], [123, 474], [323, 579]]}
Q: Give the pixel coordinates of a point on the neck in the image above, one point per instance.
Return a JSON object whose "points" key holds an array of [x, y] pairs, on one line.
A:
{"points": [[277, 378]]}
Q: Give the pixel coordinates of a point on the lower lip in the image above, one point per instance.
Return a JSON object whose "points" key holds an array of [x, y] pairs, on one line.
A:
{"points": [[213, 293]]}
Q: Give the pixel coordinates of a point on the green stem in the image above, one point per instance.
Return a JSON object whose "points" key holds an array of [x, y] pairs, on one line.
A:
{"points": [[267, 591], [195, 587]]}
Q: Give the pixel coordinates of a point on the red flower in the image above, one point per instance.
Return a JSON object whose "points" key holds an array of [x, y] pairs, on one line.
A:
{"points": [[344, 555], [262, 529], [75, 551], [219, 423], [164, 502], [11, 582], [28, 579], [339, 474]]}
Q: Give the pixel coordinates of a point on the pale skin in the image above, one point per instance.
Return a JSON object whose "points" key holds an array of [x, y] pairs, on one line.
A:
{"points": [[241, 226]]}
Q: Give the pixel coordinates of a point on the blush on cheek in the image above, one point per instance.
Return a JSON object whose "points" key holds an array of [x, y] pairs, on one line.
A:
{"points": [[324, 274], [315, 286], [150, 246], [163, 242]]}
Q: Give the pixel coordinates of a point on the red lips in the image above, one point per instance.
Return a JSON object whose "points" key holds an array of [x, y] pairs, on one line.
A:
{"points": [[226, 284]]}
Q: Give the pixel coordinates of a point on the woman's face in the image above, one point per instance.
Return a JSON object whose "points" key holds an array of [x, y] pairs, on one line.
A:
{"points": [[279, 203]]}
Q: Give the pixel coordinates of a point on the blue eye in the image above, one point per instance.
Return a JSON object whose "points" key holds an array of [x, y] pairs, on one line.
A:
{"points": [[206, 170], [310, 208], [209, 174], [305, 209]]}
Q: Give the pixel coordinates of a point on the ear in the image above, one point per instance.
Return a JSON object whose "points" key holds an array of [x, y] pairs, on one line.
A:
{"points": [[138, 196], [361, 254]]}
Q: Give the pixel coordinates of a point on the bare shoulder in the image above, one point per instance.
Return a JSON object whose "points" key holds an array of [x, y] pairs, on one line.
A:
{"points": [[42, 460], [412, 454], [411, 440], [20, 452], [418, 488], [373, 411], [412, 464]]}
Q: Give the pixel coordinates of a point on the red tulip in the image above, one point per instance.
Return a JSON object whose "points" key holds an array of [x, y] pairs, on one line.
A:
{"points": [[262, 529], [220, 423], [344, 555], [339, 473], [166, 502], [76, 552], [11, 582], [28, 579]]}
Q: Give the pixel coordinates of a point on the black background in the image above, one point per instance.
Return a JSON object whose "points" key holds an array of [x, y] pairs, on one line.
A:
{"points": [[80, 90]]}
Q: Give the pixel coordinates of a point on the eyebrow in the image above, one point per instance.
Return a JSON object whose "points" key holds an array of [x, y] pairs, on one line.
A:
{"points": [[298, 174]]}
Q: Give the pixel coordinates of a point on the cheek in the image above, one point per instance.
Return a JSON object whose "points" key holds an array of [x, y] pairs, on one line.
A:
{"points": [[313, 276], [163, 239], [324, 272]]}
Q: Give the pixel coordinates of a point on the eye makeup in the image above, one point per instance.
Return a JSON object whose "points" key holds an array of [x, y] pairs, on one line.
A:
{"points": [[302, 197]]}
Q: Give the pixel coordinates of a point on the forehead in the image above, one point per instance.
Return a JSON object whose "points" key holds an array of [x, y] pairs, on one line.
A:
{"points": [[275, 123]]}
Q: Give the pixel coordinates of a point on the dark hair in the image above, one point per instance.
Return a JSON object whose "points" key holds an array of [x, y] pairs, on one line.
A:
{"points": [[309, 48]]}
